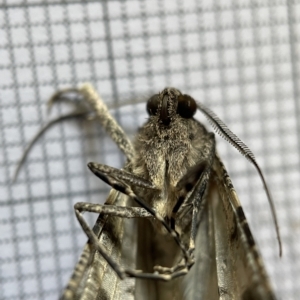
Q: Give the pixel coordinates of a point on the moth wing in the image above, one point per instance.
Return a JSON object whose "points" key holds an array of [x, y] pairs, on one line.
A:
{"points": [[227, 262], [156, 249], [93, 278]]}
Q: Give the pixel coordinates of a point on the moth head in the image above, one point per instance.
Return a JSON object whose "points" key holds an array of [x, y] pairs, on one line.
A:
{"points": [[169, 103]]}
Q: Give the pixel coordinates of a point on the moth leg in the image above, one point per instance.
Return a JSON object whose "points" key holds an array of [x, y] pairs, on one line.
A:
{"points": [[192, 188], [107, 120], [74, 115], [122, 181], [89, 107], [123, 212], [156, 276], [180, 266], [113, 210], [98, 107]]}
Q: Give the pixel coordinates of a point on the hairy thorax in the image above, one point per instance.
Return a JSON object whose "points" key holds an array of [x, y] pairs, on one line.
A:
{"points": [[164, 154]]}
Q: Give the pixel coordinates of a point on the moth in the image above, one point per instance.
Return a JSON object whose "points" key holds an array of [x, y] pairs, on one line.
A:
{"points": [[172, 226]]}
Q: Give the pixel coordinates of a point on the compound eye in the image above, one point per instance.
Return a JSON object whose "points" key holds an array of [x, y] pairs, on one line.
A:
{"points": [[152, 105], [186, 106]]}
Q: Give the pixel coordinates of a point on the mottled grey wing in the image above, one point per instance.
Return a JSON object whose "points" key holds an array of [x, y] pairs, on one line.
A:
{"points": [[227, 262], [93, 278]]}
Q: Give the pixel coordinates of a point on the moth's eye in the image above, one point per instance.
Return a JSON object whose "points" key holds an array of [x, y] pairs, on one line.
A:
{"points": [[152, 105], [186, 106]]}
